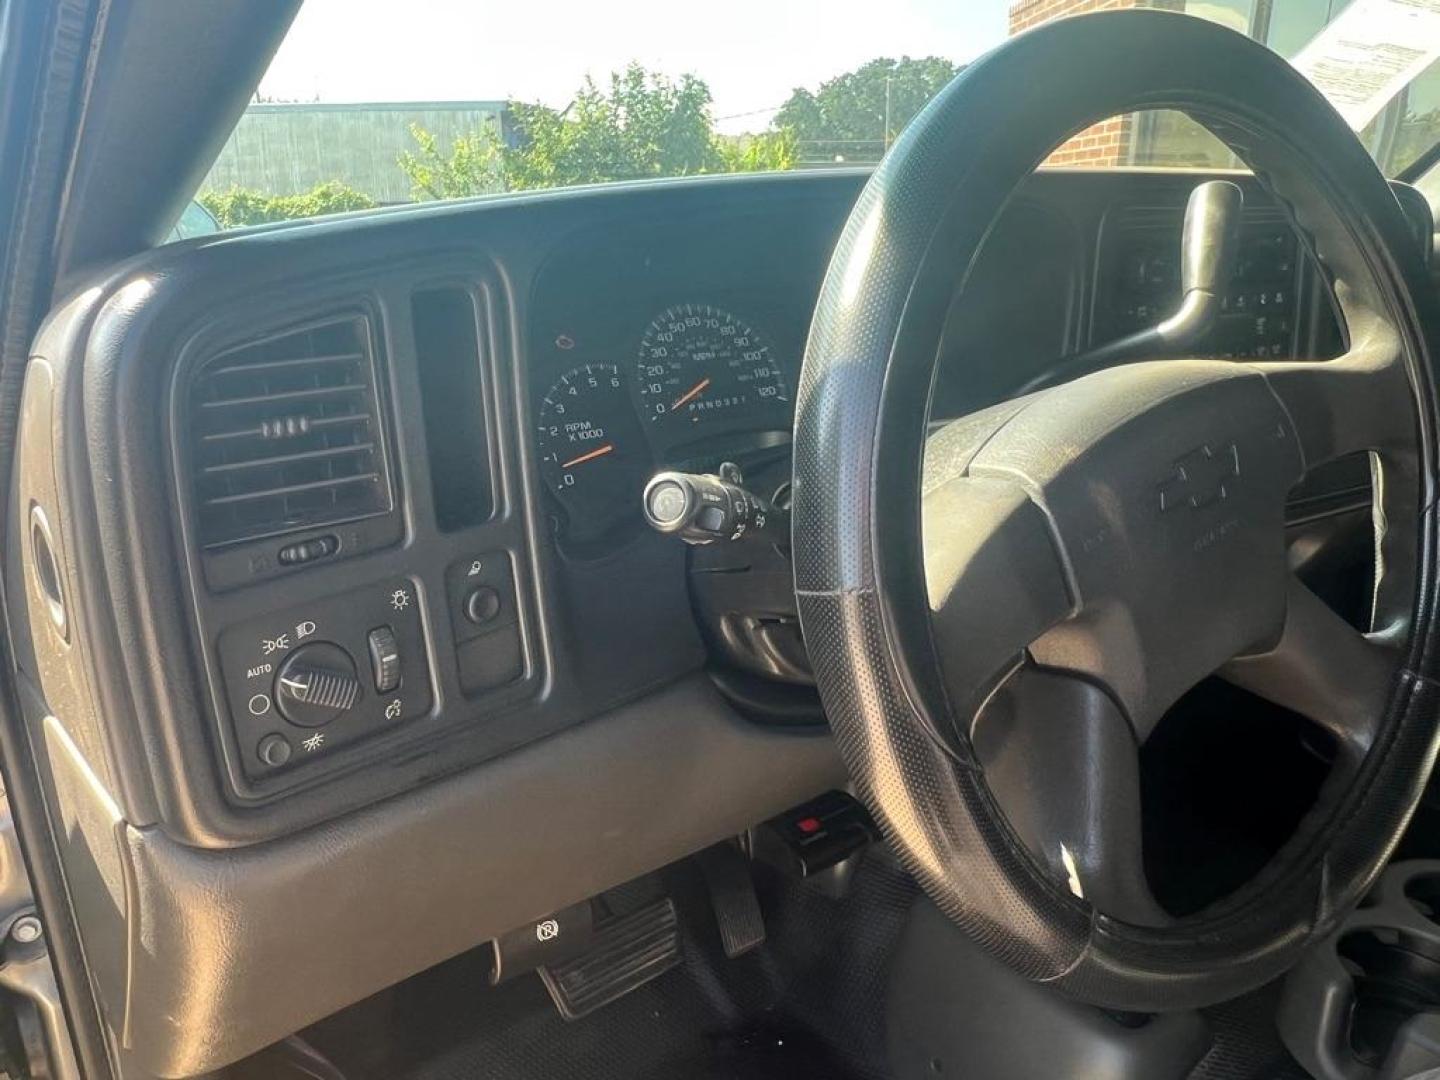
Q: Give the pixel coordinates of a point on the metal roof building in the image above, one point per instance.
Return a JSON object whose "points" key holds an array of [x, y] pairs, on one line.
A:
{"points": [[285, 149]]}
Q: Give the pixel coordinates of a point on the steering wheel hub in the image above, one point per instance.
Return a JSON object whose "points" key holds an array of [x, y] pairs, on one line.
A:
{"points": [[1162, 489]]}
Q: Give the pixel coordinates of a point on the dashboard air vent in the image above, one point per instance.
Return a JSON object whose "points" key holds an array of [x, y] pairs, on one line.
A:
{"points": [[286, 434]]}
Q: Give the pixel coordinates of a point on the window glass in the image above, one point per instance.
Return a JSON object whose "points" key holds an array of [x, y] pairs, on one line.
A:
{"points": [[1236, 14], [1289, 25], [1410, 127], [371, 103]]}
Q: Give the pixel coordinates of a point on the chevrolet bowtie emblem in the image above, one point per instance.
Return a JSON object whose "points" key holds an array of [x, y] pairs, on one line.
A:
{"points": [[1203, 476]]}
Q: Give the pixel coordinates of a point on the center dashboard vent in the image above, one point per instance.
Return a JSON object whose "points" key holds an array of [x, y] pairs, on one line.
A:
{"points": [[285, 434]]}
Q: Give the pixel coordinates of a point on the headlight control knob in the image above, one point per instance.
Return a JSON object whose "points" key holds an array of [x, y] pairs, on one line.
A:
{"points": [[315, 684]]}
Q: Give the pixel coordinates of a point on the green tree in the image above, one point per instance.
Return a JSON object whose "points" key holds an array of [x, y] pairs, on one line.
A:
{"points": [[644, 125], [244, 206], [770, 151], [474, 165], [640, 124], [845, 117]]}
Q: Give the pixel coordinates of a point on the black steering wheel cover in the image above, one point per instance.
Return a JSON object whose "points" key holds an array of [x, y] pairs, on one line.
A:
{"points": [[862, 413]]}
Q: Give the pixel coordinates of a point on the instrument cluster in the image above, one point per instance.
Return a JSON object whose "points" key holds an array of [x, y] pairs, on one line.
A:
{"points": [[698, 379]]}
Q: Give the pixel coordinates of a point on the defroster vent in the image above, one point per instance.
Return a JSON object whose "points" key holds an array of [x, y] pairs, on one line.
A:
{"points": [[286, 434]]}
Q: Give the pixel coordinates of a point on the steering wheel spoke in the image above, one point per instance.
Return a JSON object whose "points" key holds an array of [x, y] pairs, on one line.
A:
{"points": [[1346, 405], [1352, 405], [1062, 762], [1325, 670], [994, 580]]}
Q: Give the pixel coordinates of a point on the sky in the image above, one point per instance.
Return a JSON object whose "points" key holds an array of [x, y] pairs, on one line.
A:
{"points": [[752, 53]]}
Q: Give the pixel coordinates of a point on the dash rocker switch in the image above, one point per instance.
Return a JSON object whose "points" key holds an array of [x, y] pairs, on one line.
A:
{"points": [[384, 659]]}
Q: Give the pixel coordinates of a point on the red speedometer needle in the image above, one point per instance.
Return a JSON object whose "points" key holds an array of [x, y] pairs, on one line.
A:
{"points": [[599, 451], [691, 394]]}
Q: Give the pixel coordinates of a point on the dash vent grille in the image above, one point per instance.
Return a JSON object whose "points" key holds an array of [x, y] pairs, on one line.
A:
{"points": [[285, 434]]}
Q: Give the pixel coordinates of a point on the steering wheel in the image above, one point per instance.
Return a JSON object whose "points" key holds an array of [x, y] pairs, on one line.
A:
{"points": [[999, 610]]}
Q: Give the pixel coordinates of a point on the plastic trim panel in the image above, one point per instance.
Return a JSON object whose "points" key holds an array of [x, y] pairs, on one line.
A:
{"points": [[196, 940]]}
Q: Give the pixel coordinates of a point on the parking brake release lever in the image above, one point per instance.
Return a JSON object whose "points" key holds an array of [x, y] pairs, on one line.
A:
{"points": [[1209, 243], [705, 508]]}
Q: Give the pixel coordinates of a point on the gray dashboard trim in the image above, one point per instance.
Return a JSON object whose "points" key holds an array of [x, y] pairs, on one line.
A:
{"points": [[201, 941]]}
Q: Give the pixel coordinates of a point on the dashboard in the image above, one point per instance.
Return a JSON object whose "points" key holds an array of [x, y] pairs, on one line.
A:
{"points": [[677, 345], [336, 579]]}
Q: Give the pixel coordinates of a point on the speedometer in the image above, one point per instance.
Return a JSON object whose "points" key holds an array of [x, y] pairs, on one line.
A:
{"points": [[699, 363]]}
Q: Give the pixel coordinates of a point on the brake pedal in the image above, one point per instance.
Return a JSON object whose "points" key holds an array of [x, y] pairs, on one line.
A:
{"points": [[623, 954], [732, 895]]}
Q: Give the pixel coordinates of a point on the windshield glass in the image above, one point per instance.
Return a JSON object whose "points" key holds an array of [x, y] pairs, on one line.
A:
{"points": [[369, 104]]}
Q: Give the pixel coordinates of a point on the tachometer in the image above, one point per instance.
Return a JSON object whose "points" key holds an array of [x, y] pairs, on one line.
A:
{"points": [[593, 453], [699, 363]]}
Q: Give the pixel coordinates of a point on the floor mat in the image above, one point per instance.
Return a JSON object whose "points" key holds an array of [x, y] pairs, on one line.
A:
{"points": [[1247, 1046], [808, 1003]]}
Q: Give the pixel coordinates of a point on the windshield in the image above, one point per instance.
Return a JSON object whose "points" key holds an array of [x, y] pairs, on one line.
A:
{"points": [[369, 104]]}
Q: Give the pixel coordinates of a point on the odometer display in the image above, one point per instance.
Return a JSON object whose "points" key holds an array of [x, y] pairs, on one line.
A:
{"points": [[699, 364]]}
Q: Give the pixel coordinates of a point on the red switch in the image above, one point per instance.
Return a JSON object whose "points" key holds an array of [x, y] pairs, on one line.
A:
{"points": [[808, 825]]}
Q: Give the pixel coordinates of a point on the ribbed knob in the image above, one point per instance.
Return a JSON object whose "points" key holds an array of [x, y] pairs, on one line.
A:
{"points": [[315, 684]]}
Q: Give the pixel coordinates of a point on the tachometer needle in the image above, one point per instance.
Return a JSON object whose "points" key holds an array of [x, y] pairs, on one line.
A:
{"points": [[599, 451], [691, 394]]}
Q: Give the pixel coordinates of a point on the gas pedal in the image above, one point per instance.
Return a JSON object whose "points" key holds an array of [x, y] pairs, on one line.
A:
{"points": [[732, 896], [623, 954]]}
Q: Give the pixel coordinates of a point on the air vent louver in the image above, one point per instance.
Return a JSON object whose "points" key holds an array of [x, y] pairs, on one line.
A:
{"points": [[286, 434]]}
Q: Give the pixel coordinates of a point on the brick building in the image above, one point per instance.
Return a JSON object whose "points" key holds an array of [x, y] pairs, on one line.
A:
{"points": [[1160, 138], [1110, 142]]}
